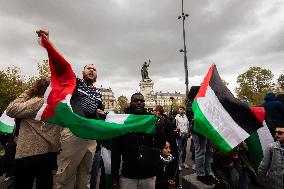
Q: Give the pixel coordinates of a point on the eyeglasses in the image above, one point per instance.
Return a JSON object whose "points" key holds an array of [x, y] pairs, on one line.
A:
{"points": [[279, 132]]}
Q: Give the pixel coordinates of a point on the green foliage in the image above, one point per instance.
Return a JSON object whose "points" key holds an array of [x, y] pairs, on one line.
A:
{"points": [[12, 84], [254, 84], [174, 107], [122, 102], [280, 81], [43, 69], [225, 83]]}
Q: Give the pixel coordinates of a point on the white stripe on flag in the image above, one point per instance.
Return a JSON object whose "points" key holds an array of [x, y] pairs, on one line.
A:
{"points": [[264, 136], [7, 120], [106, 155], [116, 118], [220, 119], [41, 110]]}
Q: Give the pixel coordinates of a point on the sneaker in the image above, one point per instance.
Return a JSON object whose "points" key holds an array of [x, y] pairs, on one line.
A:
{"points": [[204, 180], [193, 167], [179, 168], [185, 166]]}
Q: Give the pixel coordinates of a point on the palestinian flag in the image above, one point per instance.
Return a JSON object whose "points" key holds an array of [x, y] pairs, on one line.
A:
{"points": [[114, 125], [259, 140], [57, 108], [6, 124], [219, 116]]}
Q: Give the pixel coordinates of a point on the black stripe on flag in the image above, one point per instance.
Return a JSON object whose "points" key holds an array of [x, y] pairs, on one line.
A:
{"points": [[240, 112]]}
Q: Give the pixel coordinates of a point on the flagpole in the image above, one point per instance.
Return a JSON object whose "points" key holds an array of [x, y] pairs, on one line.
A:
{"points": [[183, 17]]}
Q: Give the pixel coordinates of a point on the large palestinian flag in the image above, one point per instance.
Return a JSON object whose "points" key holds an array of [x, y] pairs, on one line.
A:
{"points": [[219, 116], [57, 108], [258, 140]]}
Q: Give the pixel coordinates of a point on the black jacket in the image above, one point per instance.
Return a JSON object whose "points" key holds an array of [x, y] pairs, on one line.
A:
{"points": [[166, 171], [127, 146]]}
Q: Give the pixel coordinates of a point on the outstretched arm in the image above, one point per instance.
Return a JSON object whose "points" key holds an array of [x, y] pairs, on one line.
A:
{"points": [[63, 80], [58, 65]]}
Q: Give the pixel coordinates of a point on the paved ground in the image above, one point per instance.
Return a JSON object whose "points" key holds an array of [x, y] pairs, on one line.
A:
{"points": [[4, 185]]}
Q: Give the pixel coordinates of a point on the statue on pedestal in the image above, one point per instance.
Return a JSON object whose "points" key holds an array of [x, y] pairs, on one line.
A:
{"points": [[144, 71]]}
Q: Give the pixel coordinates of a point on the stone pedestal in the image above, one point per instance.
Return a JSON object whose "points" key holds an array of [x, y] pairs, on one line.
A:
{"points": [[146, 89], [190, 182]]}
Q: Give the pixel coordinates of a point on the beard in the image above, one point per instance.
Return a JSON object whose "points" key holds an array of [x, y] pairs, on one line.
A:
{"points": [[89, 80]]}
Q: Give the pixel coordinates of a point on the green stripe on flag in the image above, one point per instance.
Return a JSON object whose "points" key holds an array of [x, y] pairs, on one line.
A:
{"points": [[203, 126], [99, 129], [7, 129], [255, 150]]}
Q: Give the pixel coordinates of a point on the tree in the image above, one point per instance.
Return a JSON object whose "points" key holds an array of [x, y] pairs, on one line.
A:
{"points": [[254, 84], [12, 84], [43, 69], [122, 102], [225, 83], [280, 82], [174, 105]]}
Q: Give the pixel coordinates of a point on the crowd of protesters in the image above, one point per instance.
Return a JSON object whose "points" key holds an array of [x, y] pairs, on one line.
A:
{"points": [[48, 156]]}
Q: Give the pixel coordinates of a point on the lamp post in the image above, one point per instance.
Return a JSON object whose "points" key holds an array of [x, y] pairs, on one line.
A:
{"points": [[172, 101], [183, 16]]}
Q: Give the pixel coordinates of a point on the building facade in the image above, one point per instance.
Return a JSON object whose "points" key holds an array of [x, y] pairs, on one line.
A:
{"points": [[166, 99], [109, 100]]}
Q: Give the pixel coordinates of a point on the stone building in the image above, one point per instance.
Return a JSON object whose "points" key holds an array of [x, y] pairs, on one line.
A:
{"points": [[109, 100], [166, 99]]}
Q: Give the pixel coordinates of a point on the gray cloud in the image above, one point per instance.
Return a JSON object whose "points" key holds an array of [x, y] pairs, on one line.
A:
{"points": [[119, 35]]}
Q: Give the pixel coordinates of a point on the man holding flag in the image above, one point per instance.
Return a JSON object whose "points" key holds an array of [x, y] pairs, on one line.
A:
{"points": [[76, 157], [77, 154], [137, 152]]}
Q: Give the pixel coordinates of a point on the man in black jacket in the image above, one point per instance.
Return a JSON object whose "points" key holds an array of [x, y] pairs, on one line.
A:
{"points": [[134, 173]]}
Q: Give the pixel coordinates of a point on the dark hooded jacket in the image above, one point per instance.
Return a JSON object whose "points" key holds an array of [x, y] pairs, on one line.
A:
{"points": [[128, 146], [274, 111], [273, 108]]}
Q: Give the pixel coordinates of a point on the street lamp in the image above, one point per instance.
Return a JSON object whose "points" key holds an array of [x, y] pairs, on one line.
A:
{"points": [[183, 16], [172, 101]]}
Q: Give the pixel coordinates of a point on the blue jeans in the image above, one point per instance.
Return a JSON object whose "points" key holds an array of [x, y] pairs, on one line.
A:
{"points": [[182, 143], [95, 169], [203, 155]]}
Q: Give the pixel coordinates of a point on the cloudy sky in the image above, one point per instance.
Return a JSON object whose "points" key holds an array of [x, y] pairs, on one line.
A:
{"points": [[119, 35]]}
